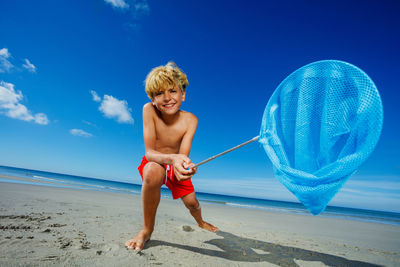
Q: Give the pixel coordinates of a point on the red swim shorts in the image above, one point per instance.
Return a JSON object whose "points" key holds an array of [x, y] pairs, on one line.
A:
{"points": [[178, 188]]}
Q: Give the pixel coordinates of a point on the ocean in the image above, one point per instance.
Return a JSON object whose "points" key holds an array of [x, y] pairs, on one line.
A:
{"points": [[43, 178]]}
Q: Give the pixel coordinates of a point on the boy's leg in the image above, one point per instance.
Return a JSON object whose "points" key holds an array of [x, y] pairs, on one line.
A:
{"points": [[153, 175], [193, 205]]}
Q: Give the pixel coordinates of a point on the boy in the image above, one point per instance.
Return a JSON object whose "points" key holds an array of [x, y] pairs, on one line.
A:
{"points": [[168, 133]]}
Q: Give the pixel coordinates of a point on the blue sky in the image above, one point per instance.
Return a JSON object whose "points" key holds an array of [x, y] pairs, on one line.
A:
{"points": [[71, 83]]}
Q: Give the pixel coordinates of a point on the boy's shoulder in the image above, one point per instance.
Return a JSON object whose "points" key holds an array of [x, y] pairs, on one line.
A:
{"points": [[148, 107], [186, 116], [189, 117]]}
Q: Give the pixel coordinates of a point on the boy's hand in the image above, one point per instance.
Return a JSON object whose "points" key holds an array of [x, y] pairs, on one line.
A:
{"points": [[181, 164], [191, 169]]}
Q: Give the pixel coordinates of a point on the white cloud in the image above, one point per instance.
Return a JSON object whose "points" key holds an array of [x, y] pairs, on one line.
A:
{"points": [[118, 4], [138, 8], [29, 66], [141, 7], [113, 108], [5, 64], [10, 105], [89, 123], [79, 132], [41, 118], [95, 96], [117, 109], [4, 53]]}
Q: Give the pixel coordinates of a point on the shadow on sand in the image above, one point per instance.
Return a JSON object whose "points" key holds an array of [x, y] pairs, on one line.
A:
{"points": [[237, 248]]}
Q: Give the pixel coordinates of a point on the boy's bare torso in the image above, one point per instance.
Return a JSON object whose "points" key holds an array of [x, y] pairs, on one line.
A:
{"points": [[169, 134]]}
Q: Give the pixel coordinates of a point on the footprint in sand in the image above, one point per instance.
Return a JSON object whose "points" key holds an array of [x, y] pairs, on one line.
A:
{"points": [[187, 228], [64, 242], [106, 248]]}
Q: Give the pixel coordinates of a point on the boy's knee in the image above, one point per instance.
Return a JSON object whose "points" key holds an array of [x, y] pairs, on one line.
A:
{"points": [[153, 174], [193, 205]]}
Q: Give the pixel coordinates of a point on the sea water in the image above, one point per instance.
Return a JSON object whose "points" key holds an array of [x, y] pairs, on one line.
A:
{"points": [[43, 178]]}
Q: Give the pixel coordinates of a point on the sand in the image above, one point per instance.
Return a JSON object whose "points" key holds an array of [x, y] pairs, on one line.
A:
{"points": [[47, 226]]}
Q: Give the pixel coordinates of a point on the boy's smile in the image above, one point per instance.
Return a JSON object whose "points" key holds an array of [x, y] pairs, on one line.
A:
{"points": [[169, 101]]}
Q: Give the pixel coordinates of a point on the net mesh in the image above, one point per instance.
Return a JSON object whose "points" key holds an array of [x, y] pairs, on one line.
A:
{"points": [[319, 126]]}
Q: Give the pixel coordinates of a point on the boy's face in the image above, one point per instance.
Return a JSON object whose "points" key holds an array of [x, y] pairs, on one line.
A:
{"points": [[168, 101]]}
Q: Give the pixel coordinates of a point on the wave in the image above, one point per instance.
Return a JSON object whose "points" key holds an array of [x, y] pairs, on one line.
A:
{"points": [[74, 184], [44, 178], [275, 209], [213, 201]]}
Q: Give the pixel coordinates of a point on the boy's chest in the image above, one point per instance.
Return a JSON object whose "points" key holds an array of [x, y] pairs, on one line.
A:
{"points": [[170, 136]]}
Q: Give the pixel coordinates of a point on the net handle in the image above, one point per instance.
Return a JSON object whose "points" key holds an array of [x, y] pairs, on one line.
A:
{"points": [[225, 152]]}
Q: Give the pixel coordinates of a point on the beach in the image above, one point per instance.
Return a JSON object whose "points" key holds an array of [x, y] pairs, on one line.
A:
{"points": [[49, 226]]}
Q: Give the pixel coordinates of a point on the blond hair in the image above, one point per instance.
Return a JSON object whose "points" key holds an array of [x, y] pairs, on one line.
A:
{"points": [[163, 77]]}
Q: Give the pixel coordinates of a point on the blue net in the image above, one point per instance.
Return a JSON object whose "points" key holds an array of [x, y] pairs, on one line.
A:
{"points": [[319, 126]]}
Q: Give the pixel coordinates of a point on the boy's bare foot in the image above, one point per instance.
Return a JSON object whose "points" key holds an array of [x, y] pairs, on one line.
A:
{"points": [[208, 226], [138, 241]]}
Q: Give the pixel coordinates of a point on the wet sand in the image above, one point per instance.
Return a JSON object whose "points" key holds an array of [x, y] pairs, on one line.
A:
{"points": [[43, 226]]}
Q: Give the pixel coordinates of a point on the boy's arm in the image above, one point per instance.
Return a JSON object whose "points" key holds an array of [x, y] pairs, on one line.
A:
{"points": [[149, 135], [187, 139]]}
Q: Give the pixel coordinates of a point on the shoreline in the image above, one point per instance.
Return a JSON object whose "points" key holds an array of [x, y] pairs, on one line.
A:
{"points": [[354, 214], [43, 226]]}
